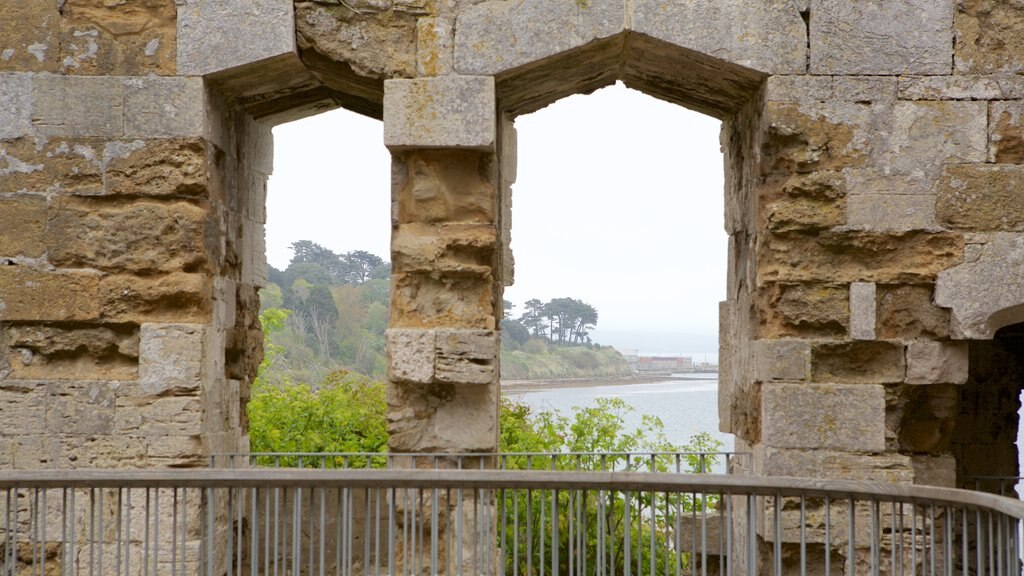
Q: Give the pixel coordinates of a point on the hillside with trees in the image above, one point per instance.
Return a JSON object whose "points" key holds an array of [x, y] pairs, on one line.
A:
{"points": [[330, 310]]}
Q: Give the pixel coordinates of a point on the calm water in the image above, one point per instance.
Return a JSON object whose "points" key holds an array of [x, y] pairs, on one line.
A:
{"points": [[686, 407]]}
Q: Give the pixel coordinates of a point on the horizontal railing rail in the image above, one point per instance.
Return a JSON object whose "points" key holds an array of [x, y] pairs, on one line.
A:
{"points": [[661, 461], [393, 521]]}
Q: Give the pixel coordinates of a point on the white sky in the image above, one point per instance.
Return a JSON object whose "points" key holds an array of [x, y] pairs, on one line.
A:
{"points": [[618, 202]]}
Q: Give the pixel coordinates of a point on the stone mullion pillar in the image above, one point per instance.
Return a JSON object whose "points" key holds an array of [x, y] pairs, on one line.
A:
{"points": [[446, 277]]}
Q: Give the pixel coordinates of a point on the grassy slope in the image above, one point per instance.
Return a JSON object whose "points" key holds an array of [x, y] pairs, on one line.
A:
{"points": [[539, 362]]}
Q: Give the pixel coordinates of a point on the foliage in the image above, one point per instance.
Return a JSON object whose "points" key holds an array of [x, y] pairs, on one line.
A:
{"points": [[565, 320]]}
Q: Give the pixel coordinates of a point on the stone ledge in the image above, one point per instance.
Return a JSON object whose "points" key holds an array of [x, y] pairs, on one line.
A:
{"points": [[443, 112], [208, 33]]}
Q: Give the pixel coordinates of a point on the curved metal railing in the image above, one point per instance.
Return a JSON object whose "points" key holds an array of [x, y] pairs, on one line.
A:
{"points": [[493, 522]]}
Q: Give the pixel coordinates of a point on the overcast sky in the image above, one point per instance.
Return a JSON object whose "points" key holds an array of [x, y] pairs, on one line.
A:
{"points": [[618, 202]]}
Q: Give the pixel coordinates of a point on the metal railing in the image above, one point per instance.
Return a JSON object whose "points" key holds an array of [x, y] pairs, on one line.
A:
{"points": [[345, 522], [678, 462]]}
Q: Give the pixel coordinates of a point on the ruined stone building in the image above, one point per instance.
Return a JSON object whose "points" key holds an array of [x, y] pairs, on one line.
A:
{"points": [[874, 159]]}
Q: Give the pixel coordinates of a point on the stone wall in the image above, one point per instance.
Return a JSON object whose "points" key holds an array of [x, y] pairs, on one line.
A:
{"points": [[873, 157]]}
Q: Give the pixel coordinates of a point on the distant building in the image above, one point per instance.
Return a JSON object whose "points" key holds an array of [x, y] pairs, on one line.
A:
{"points": [[664, 364], [632, 356]]}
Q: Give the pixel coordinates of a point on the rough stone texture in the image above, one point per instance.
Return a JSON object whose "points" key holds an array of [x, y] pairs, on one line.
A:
{"points": [[826, 464], [208, 40], [28, 295], [906, 312], [411, 355], [936, 362], [804, 310], [896, 212], [882, 37], [766, 36], [872, 362], [163, 237], [986, 292], [164, 168], [373, 43], [16, 115], [71, 351], [170, 357], [988, 38], [934, 471], [824, 416], [862, 310], [177, 296], [442, 418], [492, 37], [163, 107], [1006, 132], [446, 186], [466, 356], [961, 87], [58, 165], [22, 224], [99, 37], [443, 112], [30, 36], [782, 360], [981, 197], [435, 38], [66, 106]]}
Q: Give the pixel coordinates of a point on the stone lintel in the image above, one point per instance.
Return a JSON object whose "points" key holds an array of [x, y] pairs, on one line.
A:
{"points": [[208, 33], [442, 112], [862, 310], [931, 362]]}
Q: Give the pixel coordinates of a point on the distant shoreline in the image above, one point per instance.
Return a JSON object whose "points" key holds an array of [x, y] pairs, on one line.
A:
{"points": [[589, 382]]}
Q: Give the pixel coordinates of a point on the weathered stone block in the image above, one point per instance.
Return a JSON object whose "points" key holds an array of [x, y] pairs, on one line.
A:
{"points": [[442, 418], [207, 33], [67, 106], [411, 355], [52, 166], [781, 360], [906, 312], [72, 352], [852, 255], [117, 39], [375, 44], [491, 37], [162, 237], [16, 93], [170, 357], [165, 416], [890, 212], [988, 38], [22, 223], [435, 46], [165, 168], [931, 362], [22, 407], [179, 297], [985, 292], [425, 300], [803, 310], [1006, 132], [812, 201], [858, 362], [466, 249], [798, 88], [824, 416], [827, 465], [29, 38], [442, 112], [864, 88], [767, 36], [163, 107], [81, 408], [28, 295], [981, 197], [862, 310], [466, 356], [882, 37], [922, 136], [442, 186], [960, 87]]}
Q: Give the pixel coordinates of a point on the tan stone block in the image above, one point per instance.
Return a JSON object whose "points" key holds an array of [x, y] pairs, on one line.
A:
{"points": [[803, 310], [441, 112], [824, 417], [862, 362], [97, 353], [464, 249], [67, 106], [853, 255], [165, 416], [931, 362], [178, 297], [22, 224], [28, 295], [981, 197], [16, 114], [80, 408], [165, 168], [22, 407], [164, 107], [864, 88], [466, 356], [424, 300], [1006, 132], [890, 212], [906, 312], [29, 40], [54, 165], [442, 418], [862, 310], [922, 136], [177, 448], [798, 88], [162, 237], [828, 465], [781, 360], [881, 37], [985, 291], [411, 355], [171, 357], [208, 40], [960, 87], [133, 38], [445, 186], [988, 38]]}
